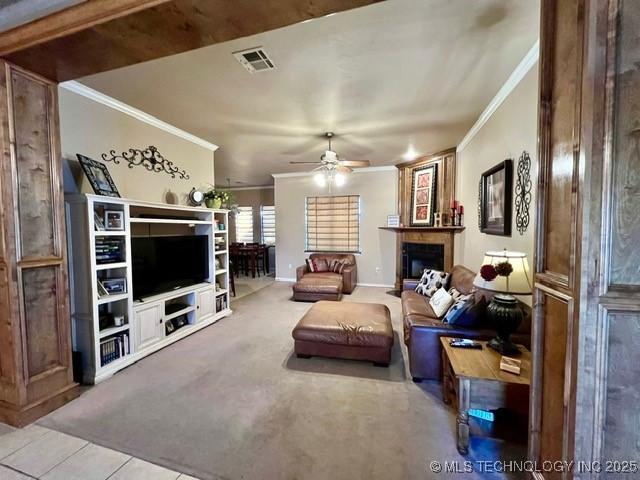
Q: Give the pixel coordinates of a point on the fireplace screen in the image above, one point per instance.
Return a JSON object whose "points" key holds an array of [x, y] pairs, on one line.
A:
{"points": [[418, 256]]}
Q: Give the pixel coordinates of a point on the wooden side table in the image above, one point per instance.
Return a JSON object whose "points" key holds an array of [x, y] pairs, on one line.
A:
{"points": [[473, 379]]}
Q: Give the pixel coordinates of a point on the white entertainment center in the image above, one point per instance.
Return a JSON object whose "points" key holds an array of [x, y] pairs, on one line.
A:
{"points": [[111, 329]]}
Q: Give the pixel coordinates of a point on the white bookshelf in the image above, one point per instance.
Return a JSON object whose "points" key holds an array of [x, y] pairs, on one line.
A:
{"points": [[145, 329]]}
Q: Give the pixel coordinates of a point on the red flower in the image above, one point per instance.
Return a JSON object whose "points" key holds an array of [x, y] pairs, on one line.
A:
{"points": [[488, 273]]}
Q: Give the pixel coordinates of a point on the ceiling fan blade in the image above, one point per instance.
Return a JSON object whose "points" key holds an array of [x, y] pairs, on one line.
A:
{"points": [[355, 163], [343, 169], [303, 162]]}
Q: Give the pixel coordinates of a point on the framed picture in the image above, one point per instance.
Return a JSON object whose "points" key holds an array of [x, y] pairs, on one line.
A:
{"points": [[115, 285], [423, 194], [114, 220], [496, 192], [393, 220], [98, 176]]}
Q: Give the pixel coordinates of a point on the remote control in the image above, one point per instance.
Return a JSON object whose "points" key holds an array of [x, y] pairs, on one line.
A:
{"points": [[464, 343]]}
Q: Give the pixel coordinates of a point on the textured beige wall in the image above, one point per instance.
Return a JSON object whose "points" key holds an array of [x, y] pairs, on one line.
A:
{"points": [[509, 131], [90, 128], [251, 198], [378, 198]]}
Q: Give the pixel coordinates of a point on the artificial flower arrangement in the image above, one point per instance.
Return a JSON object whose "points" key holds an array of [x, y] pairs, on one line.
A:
{"points": [[216, 198], [490, 272]]}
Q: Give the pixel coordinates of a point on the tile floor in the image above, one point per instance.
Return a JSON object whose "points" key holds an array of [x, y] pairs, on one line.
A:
{"points": [[36, 452]]}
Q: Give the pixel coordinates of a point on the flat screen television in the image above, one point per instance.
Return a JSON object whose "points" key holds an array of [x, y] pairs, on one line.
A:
{"points": [[162, 264]]}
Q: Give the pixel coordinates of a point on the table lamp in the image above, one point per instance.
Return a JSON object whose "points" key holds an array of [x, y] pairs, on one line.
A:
{"points": [[506, 273]]}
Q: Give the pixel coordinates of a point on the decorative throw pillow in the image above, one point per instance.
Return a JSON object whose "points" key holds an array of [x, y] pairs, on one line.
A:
{"points": [[460, 302], [310, 266], [337, 266], [453, 291], [320, 265], [440, 302], [431, 281], [470, 315]]}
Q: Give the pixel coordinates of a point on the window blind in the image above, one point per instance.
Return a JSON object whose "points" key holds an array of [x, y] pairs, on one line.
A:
{"points": [[244, 225], [333, 224], [268, 224]]}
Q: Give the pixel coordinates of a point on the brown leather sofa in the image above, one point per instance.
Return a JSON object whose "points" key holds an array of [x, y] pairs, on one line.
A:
{"points": [[422, 329], [326, 285]]}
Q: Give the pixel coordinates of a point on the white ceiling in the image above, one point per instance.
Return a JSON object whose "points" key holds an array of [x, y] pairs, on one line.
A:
{"points": [[385, 78]]}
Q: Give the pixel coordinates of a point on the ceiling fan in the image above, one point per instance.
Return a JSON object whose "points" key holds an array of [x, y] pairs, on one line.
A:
{"points": [[333, 168]]}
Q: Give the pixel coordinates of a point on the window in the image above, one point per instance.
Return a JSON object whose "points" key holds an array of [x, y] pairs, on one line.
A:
{"points": [[244, 225], [333, 224], [268, 224]]}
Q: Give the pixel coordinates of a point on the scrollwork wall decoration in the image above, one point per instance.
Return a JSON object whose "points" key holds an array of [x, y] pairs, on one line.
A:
{"points": [[150, 158], [523, 193], [480, 204]]}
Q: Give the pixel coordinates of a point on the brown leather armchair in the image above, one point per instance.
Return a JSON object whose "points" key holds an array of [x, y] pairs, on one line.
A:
{"points": [[422, 328], [349, 274]]}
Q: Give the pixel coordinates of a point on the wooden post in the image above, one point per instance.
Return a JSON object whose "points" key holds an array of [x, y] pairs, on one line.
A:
{"points": [[35, 355]]}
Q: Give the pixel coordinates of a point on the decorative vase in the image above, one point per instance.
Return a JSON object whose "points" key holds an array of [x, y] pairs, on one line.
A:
{"points": [[213, 203], [505, 316]]}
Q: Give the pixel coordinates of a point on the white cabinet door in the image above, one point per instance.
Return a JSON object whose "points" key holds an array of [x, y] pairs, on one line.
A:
{"points": [[149, 326], [206, 303]]}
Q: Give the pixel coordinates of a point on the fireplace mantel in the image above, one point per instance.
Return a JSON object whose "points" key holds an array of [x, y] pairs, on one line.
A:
{"points": [[423, 229]]}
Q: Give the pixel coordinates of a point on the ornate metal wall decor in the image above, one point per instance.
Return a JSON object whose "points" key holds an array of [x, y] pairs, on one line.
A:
{"points": [[480, 204], [523, 193], [149, 158]]}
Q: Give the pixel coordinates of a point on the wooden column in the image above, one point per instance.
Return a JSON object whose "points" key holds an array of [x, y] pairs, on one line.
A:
{"points": [[586, 327], [35, 340], [445, 163]]}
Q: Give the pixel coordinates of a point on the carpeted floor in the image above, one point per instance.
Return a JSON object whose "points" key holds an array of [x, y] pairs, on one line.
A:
{"points": [[245, 285], [233, 402]]}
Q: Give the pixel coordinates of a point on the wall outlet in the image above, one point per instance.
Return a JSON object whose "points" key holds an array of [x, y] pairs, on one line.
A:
{"points": [[378, 270], [290, 267]]}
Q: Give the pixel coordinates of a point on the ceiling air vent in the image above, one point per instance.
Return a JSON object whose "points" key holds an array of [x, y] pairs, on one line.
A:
{"points": [[254, 60]]}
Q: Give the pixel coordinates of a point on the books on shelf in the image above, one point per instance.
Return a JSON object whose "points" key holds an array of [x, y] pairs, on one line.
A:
{"points": [[221, 303], [114, 347], [109, 250]]}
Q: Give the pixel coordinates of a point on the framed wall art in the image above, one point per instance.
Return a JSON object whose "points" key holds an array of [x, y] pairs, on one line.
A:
{"points": [[423, 194], [98, 176], [496, 195]]}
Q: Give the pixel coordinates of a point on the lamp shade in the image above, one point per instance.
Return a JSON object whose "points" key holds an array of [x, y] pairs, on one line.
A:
{"points": [[518, 282]]}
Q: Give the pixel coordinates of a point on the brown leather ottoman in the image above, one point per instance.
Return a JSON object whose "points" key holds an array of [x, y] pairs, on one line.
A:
{"points": [[356, 331], [311, 289]]}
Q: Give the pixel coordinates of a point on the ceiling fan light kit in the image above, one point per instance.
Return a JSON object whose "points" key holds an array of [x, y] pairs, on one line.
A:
{"points": [[332, 170], [330, 178]]}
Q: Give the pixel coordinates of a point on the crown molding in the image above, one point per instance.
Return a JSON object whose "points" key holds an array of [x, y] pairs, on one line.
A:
{"points": [[384, 168], [90, 93], [512, 82], [263, 187]]}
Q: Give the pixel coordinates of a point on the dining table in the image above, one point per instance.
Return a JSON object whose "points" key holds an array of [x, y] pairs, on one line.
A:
{"points": [[247, 257]]}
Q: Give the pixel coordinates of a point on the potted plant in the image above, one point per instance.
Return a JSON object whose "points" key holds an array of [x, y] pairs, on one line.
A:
{"points": [[214, 198]]}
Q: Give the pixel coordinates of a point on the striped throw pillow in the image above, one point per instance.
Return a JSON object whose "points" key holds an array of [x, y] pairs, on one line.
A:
{"points": [[337, 266]]}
